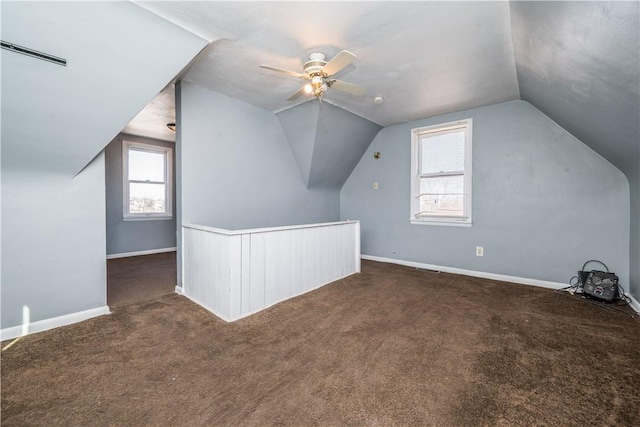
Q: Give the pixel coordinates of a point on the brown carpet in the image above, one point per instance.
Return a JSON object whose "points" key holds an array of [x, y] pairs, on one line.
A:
{"points": [[391, 346], [140, 278]]}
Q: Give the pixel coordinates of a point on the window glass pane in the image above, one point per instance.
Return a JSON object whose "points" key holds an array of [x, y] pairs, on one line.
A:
{"points": [[146, 166], [146, 198], [442, 153], [442, 196]]}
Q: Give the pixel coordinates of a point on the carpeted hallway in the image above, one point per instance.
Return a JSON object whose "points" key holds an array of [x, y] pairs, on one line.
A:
{"points": [[390, 346], [140, 278]]}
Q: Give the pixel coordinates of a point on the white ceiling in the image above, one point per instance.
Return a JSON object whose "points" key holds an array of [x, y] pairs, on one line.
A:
{"points": [[423, 58], [153, 119]]}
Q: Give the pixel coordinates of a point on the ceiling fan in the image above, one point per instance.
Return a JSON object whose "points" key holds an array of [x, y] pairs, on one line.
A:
{"points": [[320, 73]]}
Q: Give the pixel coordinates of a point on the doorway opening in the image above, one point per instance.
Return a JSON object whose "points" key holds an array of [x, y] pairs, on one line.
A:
{"points": [[141, 206], [140, 278]]}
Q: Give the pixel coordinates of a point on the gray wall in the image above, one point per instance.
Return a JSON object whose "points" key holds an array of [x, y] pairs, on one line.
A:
{"points": [[237, 169], [543, 202], [133, 236]]}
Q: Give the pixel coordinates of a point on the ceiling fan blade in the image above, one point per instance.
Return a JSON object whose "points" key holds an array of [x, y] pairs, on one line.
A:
{"points": [[297, 94], [348, 87], [280, 70], [338, 62]]}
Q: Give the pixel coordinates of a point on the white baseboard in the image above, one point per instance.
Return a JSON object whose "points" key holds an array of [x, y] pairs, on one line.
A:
{"points": [[482, 274], [179, 290], [633, 303], [138, 253], [54, 322], [500, 277]]}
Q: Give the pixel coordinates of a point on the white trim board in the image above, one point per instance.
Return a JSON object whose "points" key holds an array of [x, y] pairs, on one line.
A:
{"points": [[265, 230], [138, 253], [634, 303], [54, 322], [481, 274], [500, 277], [229, 320]]}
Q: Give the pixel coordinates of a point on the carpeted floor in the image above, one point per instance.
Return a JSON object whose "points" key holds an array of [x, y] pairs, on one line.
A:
{"points": [[140, 278], [390, 346]]}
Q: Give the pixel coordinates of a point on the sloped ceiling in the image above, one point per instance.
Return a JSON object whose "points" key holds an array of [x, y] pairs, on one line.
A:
{"points": [[579, 63], [300, 127], [153, 119], [576, 61], [423, 58], [327, 142], [57, 118], [339, 132]]}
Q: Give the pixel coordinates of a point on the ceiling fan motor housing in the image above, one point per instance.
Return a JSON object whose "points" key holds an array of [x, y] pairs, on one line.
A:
{"points": [[314, 65]]}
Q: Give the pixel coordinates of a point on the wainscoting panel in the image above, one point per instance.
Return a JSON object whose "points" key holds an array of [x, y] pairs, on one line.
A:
{"points": [[237, 273], [206, 269]]}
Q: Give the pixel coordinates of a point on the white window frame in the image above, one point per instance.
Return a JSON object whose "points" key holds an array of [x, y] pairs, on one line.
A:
{"points": [[168, 176], [416, 134]]}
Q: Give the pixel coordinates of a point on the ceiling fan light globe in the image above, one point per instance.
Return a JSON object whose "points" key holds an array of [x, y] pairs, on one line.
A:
{"points": [[308, 88]]}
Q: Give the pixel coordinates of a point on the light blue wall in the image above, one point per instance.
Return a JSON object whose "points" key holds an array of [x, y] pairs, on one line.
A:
{"points": [[326, 141], [55, 120], [543, 202], [634, 247], [341, 140], [132, 236], [300, 126], [237, 169], [53, 242], [578, 62]]}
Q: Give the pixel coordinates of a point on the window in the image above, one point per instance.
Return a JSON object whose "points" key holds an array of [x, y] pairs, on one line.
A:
{"points": [[441, 174], [147, 181]]}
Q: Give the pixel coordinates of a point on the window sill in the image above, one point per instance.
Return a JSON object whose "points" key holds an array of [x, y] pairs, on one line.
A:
{"points": [[146, 218], [446, 223]]}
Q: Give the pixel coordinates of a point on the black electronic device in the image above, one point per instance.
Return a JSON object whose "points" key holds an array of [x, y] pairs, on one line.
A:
{"points": [[601, 285]]}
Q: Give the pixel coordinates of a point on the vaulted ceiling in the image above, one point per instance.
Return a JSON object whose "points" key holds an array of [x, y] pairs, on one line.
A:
{"points": [[578, 62], [422, 58]]}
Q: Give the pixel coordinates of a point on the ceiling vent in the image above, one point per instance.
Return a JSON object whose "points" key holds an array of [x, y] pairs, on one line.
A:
{"points": [[33, 53]]}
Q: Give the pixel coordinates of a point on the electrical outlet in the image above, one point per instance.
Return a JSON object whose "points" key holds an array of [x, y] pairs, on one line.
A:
{"points": [[479, 251], [375, 185]]}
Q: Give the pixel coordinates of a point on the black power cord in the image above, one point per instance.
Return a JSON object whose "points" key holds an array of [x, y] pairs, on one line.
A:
{"points": [[578, 288], [595, 260]]}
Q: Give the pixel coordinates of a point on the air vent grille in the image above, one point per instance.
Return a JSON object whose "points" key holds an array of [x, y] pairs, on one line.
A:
{"points": [[33, 53]]}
